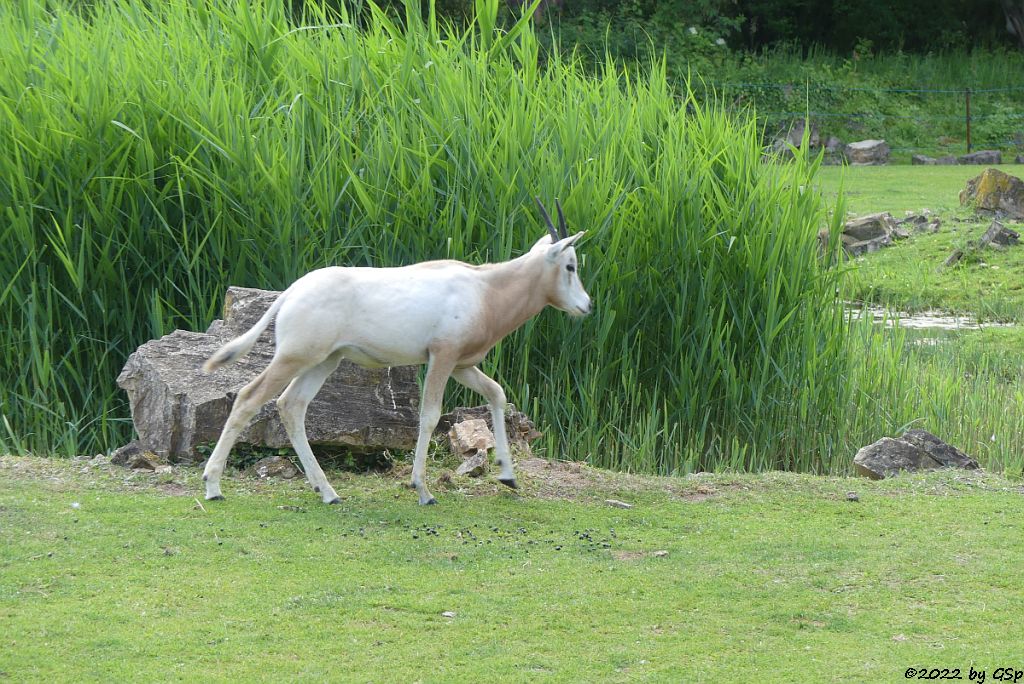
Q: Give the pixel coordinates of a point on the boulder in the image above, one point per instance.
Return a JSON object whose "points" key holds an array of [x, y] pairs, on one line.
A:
{"points": [[870, 227], [176, 407], [867, 153], [982, 157], [924, 160], [833, 151], [995, 193], [916, 450], [870, 233]]}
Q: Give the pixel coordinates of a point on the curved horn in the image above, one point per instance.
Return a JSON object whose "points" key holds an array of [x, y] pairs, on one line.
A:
{"points": [[550, 226], [562, 228]]}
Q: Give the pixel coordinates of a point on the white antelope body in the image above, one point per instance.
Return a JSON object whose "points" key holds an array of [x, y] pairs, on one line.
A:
{"points": [[446, 314]]}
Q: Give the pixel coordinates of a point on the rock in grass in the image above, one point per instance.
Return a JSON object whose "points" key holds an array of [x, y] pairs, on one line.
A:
{"points": [[869, 233], [925, 160], [177, 408], [981, 157], [470, 437], [474, 466], [275, 466], [870, 227], [867, 153], [915, 451], [995, 193]]}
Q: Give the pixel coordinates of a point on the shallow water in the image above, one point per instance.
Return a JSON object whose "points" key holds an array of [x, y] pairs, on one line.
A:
{"points": [[922, 320]]}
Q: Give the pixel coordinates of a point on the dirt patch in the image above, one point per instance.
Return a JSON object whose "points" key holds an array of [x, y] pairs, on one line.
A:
{"points": [[173, 489], [701, 493], [560, 479]]}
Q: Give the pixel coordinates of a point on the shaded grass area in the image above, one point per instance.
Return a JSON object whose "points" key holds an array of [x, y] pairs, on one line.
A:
{"points": [[777, 575]]}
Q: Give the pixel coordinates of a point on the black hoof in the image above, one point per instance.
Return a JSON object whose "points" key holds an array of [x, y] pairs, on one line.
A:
{"points": [[510, 483], [316, 489], [335, 500], [431, 502], [219, 497], [204, 478]]}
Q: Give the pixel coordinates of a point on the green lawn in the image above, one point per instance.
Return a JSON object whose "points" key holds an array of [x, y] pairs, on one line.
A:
{"points": [[107, 576], [901, 188]]}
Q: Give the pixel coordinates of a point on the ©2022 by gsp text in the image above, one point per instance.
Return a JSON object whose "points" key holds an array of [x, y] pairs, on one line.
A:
{"points": [[971, 674]]}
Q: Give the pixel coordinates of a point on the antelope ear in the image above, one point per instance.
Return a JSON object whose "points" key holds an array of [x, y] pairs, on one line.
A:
{"points": [[569, 241], [557, 248]]}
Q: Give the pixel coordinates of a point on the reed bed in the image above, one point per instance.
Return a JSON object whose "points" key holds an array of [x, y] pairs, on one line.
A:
{"points": [[157, 152]]}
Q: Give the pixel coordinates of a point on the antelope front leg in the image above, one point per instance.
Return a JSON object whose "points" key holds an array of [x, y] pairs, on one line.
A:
{"points": [[476, 380], [438, 370], [250, 398]]}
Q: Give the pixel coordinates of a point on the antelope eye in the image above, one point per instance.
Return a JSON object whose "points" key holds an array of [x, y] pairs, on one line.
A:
{"points": [[570, 268]]}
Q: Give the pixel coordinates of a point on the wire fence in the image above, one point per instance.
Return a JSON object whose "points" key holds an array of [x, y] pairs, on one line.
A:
{"points": [[912, 119]]}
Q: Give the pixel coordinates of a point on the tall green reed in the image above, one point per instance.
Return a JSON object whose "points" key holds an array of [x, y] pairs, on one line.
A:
{"points": [[158, 152]]}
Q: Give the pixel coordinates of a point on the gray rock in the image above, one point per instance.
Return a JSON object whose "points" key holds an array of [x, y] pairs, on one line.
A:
{"points": [[474, 466], [176, 407], [999, 236], [861, 247], [1019, 159], [995, 193], [870, 227], [925, 160], [275, 466], [791, 136], [921, 223], [946, 455], [982, 157], [916, 450], [867, 153]]}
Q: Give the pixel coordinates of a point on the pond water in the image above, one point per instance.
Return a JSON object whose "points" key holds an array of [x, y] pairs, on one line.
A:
{"points": [[922, 320]]}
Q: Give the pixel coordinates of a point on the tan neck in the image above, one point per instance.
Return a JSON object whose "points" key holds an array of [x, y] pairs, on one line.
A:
{"points": [[515, 292]]}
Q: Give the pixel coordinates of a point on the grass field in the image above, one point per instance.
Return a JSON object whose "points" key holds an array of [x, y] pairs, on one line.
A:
{"points": [[900, 188], [108, 575]]}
